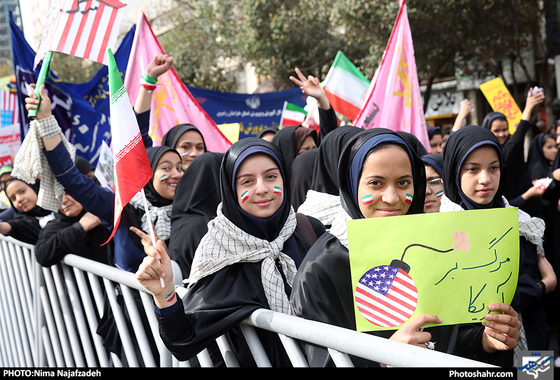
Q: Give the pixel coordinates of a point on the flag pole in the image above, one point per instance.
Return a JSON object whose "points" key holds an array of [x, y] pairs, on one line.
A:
{"points": [[309, 114], [152, 232], [43, 75]]}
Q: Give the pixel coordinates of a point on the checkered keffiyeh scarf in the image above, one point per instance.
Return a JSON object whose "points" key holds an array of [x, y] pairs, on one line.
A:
{"points": [[161, 215], [226, 244], [30, 162], [321, 206], [531, 228]]}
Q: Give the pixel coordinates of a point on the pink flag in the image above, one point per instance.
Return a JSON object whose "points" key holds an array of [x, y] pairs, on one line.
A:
{"points": [[394, 99], [172, 102], [82, 28]]}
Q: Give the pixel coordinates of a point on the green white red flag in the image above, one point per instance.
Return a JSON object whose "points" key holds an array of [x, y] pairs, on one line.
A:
{"points": [[292, 115], [132, 168], [346, 87]]}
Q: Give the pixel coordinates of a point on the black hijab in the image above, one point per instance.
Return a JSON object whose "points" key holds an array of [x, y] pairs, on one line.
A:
{"points": [[197, 198], [490, 117], [459, 145], [38, 211], [325, 172], [172, 136], [413, 143], [154, 155], [537, 165], [290, 139], [302, 176], [435, 160], [268, 228], [352, 160]]}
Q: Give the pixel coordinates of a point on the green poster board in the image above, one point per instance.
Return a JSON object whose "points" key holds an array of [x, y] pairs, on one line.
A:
{"points": [[450, 264]]}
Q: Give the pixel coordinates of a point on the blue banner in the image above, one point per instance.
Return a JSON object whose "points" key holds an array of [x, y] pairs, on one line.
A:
{"points": [[254, 112], [82, 109]]}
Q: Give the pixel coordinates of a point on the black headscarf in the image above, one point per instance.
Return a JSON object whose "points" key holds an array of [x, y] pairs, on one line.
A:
{"points": [[302, 176], [268, 228], [38, 211], [490, 117], [172, 136], [413, 143], [325, 176], [352, 160], [537, 165], [197, 198], [435, 160], [459, 145], [290, 139], [154, 155]]}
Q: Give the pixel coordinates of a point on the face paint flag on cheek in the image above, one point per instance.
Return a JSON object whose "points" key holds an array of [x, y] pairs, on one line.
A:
{"points": [[244, 196], [278, 191], [439, 194], [408, 198], [366, 200], [163, 178]]}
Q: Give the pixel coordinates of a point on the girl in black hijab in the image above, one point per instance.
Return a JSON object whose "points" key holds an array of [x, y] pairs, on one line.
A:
{"points": [[199, 190], [187, 140], [246, 260], [29, 218], [290, 141], [472, 156], [323, 287]]}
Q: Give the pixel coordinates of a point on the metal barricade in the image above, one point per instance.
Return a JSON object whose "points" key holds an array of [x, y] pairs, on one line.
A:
{"points": [[49, 317]]}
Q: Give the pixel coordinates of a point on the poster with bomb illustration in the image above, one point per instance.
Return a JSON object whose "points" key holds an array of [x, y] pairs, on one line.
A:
{"points": [[451, 264]]}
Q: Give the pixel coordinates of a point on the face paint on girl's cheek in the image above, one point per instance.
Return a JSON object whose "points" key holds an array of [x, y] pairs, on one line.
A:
{"points": [[409, 198], [184, 154], [278, 191], [244, 196], [366, 200], [163, 178], [439, 194]]}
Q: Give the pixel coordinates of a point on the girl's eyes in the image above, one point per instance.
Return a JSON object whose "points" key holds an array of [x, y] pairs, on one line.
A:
{"points": [[404, 182]]}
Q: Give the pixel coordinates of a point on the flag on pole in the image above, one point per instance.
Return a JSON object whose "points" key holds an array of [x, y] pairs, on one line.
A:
{"points": [[82, 28], [292, 115], [172, 102], [346, 87], [132, 169], [394, 100]]}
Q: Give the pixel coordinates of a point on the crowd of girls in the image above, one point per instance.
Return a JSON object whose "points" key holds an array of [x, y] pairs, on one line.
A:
{"points": [[263, 225]]}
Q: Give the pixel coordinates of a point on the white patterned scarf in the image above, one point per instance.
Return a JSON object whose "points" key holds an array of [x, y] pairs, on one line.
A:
{"points": [[226, 244], [321, 206], [161, 215], [31, 163], [531, 228]]}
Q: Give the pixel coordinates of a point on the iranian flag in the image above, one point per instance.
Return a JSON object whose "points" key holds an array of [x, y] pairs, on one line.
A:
{"points": [[346, 87], [292, 115], [132, 168]]}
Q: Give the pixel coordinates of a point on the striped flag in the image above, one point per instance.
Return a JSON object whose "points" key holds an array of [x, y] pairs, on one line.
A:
{"points": [[345, 86], [132, 168], [292, 115], [9, 111], [386, 296], [82, 28]]}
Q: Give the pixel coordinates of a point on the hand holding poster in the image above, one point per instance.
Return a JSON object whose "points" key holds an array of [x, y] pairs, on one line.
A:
{"points": [[402, 268]]}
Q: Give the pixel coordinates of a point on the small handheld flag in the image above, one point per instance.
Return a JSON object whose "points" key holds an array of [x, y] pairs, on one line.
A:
{"points": [[43, 75]]}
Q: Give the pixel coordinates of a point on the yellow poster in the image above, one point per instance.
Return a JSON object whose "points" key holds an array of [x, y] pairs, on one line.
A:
{"points": [[449, 264], [500, 99], [231, 131]]}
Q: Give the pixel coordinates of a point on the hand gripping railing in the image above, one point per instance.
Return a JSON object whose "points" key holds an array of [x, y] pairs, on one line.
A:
{"points": [[49, 318]]}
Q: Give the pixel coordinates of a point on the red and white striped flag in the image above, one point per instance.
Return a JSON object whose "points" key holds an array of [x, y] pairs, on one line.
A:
{"points": [[82, 28], [9, 111], [132, 169], [386, 296]]}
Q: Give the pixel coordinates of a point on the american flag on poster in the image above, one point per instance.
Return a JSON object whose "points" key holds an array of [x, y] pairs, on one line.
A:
{"points": [[386, 296], [9, 112], [82, 28]]}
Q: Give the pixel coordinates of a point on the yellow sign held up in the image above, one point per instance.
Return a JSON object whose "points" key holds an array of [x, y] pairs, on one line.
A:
{"points": [[231, 131], [501, 100]]}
